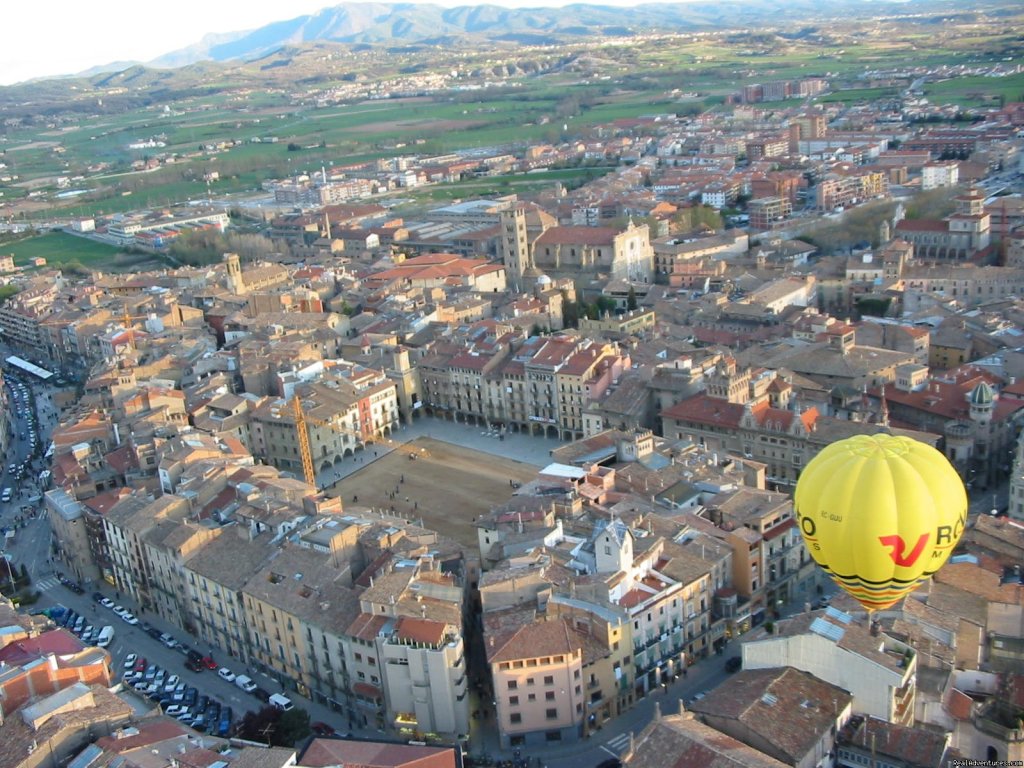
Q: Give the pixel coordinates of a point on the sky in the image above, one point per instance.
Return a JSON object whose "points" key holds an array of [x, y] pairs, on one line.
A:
{"points": [[46, 38]]}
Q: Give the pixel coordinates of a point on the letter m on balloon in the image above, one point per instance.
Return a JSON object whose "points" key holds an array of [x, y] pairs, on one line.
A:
{"points": [[898, 549]]}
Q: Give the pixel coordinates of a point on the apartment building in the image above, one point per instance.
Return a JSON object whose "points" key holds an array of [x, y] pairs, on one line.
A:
{"points": [[214, 579], [940, 173], [125, 527], [541, 387], [166, 547], [297, 606], [537, 673], [22, 316], [850, 185], [784, 712], [877, 669], [773, 567], [341, 419], [767, 213], [670, 619], [404, 651]]}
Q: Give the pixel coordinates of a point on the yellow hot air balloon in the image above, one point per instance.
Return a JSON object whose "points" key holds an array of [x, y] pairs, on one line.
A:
{"points": [[880, 514]]}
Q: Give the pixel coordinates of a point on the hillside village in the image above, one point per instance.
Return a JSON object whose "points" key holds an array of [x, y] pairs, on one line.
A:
{"points": [[681, 377]]}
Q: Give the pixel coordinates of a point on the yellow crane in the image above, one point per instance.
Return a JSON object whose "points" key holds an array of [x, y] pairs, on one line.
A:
{"points": [[302, 420]]}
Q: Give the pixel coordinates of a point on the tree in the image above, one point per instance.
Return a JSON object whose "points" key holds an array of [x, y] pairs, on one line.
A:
{"points": [[631, 299], [24, 579], [272, 726], [292, 727]]}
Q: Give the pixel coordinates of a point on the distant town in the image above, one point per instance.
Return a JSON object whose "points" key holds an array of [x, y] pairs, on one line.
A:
{"points": [[484, 479]]}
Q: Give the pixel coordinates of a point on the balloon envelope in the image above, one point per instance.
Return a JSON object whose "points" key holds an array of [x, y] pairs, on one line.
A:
{"points": [[880, 514]]}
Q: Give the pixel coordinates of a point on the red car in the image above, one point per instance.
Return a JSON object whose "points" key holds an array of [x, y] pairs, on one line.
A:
{"points": [[209, 663], [322, 729], [140, 664]]}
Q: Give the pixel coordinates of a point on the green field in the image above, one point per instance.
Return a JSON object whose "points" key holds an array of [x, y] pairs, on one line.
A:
{"points": [[608, 80], [60, 248]]}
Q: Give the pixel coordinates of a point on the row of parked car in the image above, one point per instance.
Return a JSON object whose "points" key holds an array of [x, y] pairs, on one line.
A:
{"points": [[122, 613], [178, 699], [79, 626]]}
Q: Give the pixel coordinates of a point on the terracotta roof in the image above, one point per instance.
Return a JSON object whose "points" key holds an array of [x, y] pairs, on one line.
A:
{"points": [[421, 630], [681, 741], [906, 746], [324, 753], [532, 640], [577, 236], [786, 707], [59, 642], [921, 225], [706, 410]]}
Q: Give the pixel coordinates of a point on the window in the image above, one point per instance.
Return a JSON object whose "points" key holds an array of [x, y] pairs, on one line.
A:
{"points": [[549, 680], [513, 700], [549, 696], [551, 714], [529, 681], [515, 718], [512, 685]]}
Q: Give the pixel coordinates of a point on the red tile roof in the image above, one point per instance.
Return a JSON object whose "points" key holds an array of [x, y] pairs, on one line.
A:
{"points": [[59, 642], [706, 410], [324, 753], [421, 630], [577, 236]]}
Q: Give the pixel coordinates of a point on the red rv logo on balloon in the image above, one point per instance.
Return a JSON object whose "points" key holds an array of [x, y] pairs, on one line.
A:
{"points": [[898, 551]]}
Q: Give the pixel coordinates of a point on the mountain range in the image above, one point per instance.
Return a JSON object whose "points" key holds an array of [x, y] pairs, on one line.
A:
{"points": [[414, 22]]}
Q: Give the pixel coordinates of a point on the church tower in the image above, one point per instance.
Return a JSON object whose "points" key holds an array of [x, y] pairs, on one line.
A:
{"points": [[515, 246], [234, 270]]}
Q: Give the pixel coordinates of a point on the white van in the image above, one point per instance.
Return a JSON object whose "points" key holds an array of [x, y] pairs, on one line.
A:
{"points": [[245, 683], [281, 702], [105, 636]]}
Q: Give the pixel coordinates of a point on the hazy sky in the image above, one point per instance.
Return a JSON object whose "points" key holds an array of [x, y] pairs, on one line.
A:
{"points": [[47, 38]]}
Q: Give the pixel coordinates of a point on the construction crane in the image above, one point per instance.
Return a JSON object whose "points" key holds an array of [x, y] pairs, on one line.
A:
{"points": [[302, 422]]}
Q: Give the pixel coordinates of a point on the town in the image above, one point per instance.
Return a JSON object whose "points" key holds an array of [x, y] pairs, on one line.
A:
{"points": [[507, 478]]}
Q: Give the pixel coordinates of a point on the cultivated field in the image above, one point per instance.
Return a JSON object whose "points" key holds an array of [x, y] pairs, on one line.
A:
{"points": [[60, 248], [446, 485]]}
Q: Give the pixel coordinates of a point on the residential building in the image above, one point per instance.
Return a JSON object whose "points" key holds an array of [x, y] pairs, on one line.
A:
{"points": [[537, 673], [865, 739], [669, 739], [783, 712], [877, 669]]}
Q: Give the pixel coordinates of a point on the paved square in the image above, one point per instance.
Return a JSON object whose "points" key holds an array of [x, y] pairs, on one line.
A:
{"points": [[446, 485]]}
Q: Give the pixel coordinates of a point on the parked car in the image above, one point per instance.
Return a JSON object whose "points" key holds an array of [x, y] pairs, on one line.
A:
{"points": [[261, 693], [245, 683], [129, 660], [322, 729], [733, 664], [226, 674], [193, 666]]}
